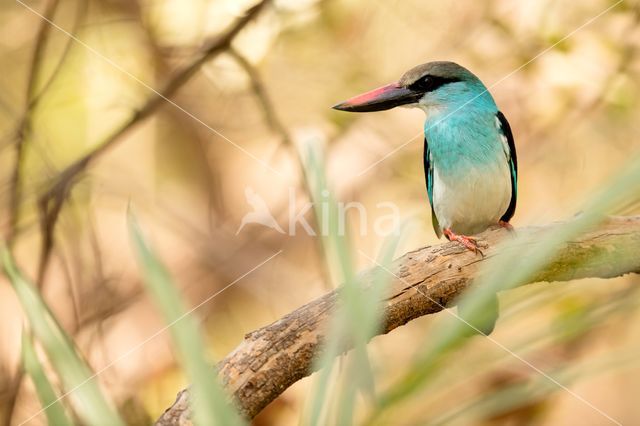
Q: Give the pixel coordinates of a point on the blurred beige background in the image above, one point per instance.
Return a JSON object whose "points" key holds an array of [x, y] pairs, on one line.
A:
{"points": [[568, 84]]}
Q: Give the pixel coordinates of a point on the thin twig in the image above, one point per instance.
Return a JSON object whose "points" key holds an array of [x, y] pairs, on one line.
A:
{"points": [[51, 201], [277, 125], [15, 191], [270, 115], [24, 130], [15, 194]]}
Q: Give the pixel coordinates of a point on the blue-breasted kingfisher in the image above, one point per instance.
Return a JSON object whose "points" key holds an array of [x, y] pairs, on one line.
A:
{"points": [[469, 157]]}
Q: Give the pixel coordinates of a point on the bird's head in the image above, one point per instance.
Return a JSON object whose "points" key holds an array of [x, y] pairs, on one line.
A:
{"points": [[433, 86]]}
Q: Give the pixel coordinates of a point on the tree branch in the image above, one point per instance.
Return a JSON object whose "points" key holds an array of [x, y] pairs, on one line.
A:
{"points": [[51, 201], [272, 358], [277, 125]]}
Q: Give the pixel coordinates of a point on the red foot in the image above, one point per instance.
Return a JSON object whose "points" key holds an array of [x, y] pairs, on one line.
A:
{"points": [[469, 242], [506, 225]]}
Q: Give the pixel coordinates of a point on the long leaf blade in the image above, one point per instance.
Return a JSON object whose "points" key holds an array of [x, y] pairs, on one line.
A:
{"points": [[54, 410], [208, 400], [88, 400]]}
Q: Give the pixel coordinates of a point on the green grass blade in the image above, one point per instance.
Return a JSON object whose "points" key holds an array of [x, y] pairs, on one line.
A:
{"points": [[473, 369], [210, 404], [54, 410], [88, 400], [501, 274], [338, 258], [357, 314], [366, 317]]}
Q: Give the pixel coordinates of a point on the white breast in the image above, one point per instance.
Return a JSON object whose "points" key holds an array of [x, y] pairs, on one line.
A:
{"points": [[473, 198]]}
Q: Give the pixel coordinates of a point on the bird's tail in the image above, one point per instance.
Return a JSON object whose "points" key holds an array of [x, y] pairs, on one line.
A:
{"points": [[484, 321]]}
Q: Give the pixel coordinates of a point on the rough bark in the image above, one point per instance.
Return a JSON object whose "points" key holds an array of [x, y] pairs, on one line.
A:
{"points": [[272, 358]]}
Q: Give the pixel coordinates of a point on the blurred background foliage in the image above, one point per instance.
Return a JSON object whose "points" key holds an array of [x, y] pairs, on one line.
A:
{"points": [[570, 91]]}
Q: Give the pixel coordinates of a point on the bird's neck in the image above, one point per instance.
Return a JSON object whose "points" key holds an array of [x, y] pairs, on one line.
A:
{"points": [[460, 108], [466, 100]]}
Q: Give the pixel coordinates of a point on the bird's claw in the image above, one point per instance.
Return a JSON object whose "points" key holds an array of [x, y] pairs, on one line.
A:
{"points": [[470, 243], [507, 226]]}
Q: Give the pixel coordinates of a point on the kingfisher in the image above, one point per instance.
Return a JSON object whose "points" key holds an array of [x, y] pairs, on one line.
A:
{"points": [[470, 163]]}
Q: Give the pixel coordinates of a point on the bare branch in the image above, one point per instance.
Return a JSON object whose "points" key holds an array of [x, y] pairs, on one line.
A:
{"points": [[272, 119], [15, 194], [34, 94], [272, 358], [15, 191], [51, 201], [277, 125]]}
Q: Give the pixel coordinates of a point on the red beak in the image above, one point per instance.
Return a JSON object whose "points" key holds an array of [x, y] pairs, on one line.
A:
{"points": [[382, 98]]}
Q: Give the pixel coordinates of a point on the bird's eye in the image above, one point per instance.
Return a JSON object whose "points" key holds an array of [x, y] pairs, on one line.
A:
{"points": [[423, 84], [429, 83]]}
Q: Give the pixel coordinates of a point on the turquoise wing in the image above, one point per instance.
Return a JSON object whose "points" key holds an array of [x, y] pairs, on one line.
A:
{"points": [[428, 175]]}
